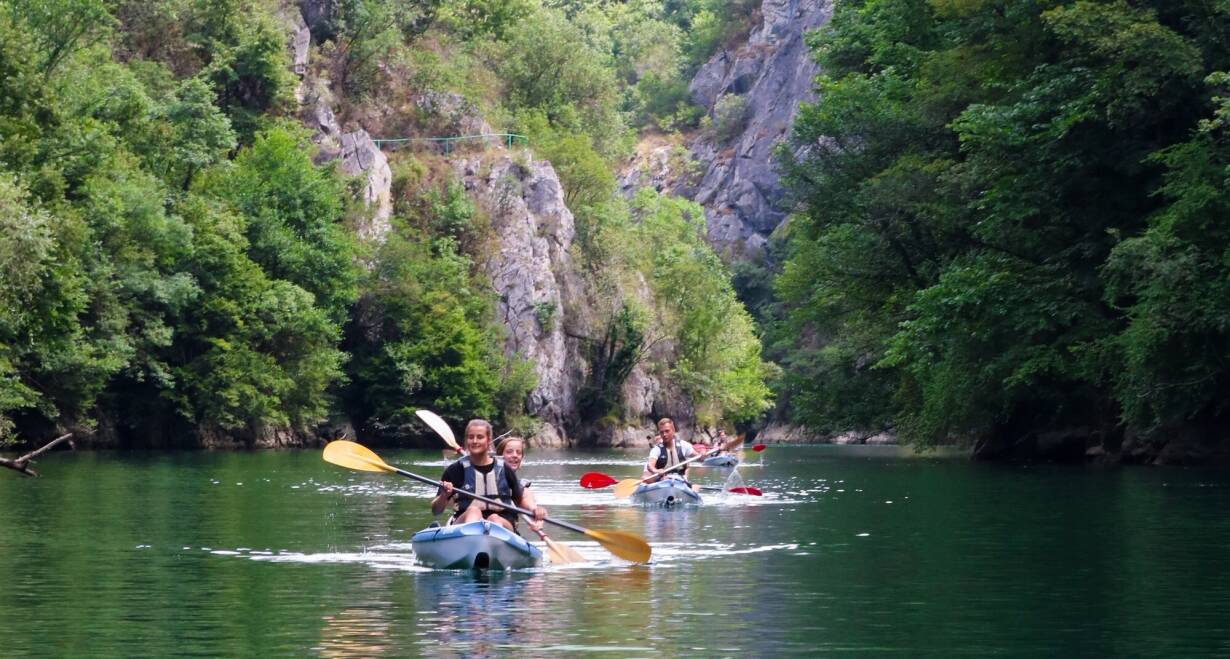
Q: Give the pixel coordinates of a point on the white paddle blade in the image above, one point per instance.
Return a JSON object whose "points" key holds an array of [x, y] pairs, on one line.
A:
{"points": [[439, 425]]}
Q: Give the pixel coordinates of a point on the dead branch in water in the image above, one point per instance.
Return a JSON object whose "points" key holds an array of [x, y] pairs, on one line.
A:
{"points": [[22, 464]]}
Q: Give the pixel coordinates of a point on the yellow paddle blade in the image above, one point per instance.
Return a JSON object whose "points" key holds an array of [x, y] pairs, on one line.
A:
{"points": [[625, 488], [354, 456], [562, 554], [628, 546]]}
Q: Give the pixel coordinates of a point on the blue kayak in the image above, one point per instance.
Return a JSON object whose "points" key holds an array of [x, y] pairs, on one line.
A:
{"points": [[474, 546], [666, 492], [723, 460]]}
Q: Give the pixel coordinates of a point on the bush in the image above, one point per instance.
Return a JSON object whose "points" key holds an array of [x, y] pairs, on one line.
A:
{"points": [[729, 117]]}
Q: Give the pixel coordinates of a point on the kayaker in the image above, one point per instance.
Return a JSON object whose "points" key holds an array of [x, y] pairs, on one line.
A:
{"points": [[512, 450], [482, 473], [670, 451]]}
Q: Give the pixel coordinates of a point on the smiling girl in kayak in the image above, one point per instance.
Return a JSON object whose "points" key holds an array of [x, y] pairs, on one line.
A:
{"points": [[512, 450], [482, 473]]}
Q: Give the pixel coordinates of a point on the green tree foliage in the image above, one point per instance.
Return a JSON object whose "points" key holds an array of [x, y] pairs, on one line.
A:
{"points": [[173, 265], [294, 213], [425, 337], [980, 180], [145, 279], [719, 361]]}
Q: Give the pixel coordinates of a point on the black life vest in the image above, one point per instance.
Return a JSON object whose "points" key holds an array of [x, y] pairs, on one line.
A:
{"points": [[661, 463], [492, 485]]}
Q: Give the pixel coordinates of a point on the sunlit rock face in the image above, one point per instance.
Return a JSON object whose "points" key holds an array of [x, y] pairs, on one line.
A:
{"points": [[357, 152], [532, 271], [773, 73]]}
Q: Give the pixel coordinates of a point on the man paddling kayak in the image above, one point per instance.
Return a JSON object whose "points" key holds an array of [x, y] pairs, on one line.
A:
{"points": [[670, 452], [482, 473]]}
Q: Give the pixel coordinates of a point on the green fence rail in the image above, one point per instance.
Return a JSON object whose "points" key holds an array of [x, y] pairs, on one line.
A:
{"points": [[508, 139]]}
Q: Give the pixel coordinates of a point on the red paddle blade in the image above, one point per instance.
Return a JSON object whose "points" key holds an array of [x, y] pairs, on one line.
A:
{"points": [[751, 491], [594, 480], [758, 448]]}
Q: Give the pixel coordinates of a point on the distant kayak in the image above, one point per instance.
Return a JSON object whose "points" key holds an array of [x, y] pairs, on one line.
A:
{"points": [[666, 492], [474, 546], [724, 460]]}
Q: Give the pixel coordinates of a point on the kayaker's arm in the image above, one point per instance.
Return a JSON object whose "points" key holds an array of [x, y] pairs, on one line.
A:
{"points": [[528, 502], [440, 502]]}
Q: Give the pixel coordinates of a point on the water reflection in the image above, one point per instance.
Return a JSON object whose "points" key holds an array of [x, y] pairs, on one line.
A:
{"points": [[354, 633], [477, 614]]}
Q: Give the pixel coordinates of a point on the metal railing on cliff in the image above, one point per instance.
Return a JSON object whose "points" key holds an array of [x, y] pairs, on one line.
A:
{"points": [[509, 139]]}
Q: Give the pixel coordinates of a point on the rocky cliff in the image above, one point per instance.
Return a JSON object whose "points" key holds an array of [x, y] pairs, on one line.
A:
{"points": [[751, 95], [771, 74], [542, 298], [532, 272]]}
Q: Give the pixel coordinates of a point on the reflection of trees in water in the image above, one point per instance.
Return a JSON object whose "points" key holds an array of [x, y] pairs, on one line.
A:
{"points": [[355, 632]]}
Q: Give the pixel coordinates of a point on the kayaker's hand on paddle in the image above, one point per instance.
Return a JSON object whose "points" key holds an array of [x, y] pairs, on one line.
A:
{"points": [[443, 495], [535, 523]]}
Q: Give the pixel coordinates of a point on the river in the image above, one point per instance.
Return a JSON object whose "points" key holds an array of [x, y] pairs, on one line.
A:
{"points": [[851, 550]]}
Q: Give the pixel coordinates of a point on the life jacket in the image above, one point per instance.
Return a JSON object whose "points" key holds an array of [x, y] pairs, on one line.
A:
{"points": [[663, 454], [493, 485]]}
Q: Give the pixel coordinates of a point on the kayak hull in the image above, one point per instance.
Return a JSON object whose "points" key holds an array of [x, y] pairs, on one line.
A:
{"points": [[474, 546], [666, 492], [726, 460]]}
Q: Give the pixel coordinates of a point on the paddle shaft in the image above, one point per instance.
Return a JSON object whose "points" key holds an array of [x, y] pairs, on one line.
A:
{"points": [[479, 497]]}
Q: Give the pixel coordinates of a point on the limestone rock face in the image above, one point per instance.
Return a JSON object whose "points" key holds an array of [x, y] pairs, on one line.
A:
{"points": [[361, 157], [320, 16], [300, 44], [741, 190], [451, 113], [533, 274]]}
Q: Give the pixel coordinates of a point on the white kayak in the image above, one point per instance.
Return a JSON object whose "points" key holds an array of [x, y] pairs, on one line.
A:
{"points": [[723, 460], [666, 492], [474, 546]]}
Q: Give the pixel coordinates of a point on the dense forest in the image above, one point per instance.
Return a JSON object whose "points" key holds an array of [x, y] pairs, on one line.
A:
{"points": [[1015, 220], [175, 267], [1007, 228]]}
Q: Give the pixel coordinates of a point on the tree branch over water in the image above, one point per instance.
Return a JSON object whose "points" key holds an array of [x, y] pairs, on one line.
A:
{"points": [[22, 464]]}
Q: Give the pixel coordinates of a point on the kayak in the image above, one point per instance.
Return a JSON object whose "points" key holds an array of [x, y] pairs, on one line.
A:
{"points": [[724, 460], [474, 546], [666, 492]]}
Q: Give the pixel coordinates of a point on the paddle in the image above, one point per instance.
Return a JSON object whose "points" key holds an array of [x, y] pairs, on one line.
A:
{"points": [[750, 491], [559, 553], [439, 425], [756, 448], [625, 488], [628, 546], [596, 480]]}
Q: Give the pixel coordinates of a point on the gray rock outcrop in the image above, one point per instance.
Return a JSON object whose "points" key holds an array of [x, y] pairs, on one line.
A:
{"points": [[361, 157], [773, 71], [300, 43], [534, 276], [357, 152]]}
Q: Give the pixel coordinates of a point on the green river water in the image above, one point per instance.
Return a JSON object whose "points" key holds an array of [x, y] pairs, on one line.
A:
{"points": [[856, 551]]}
